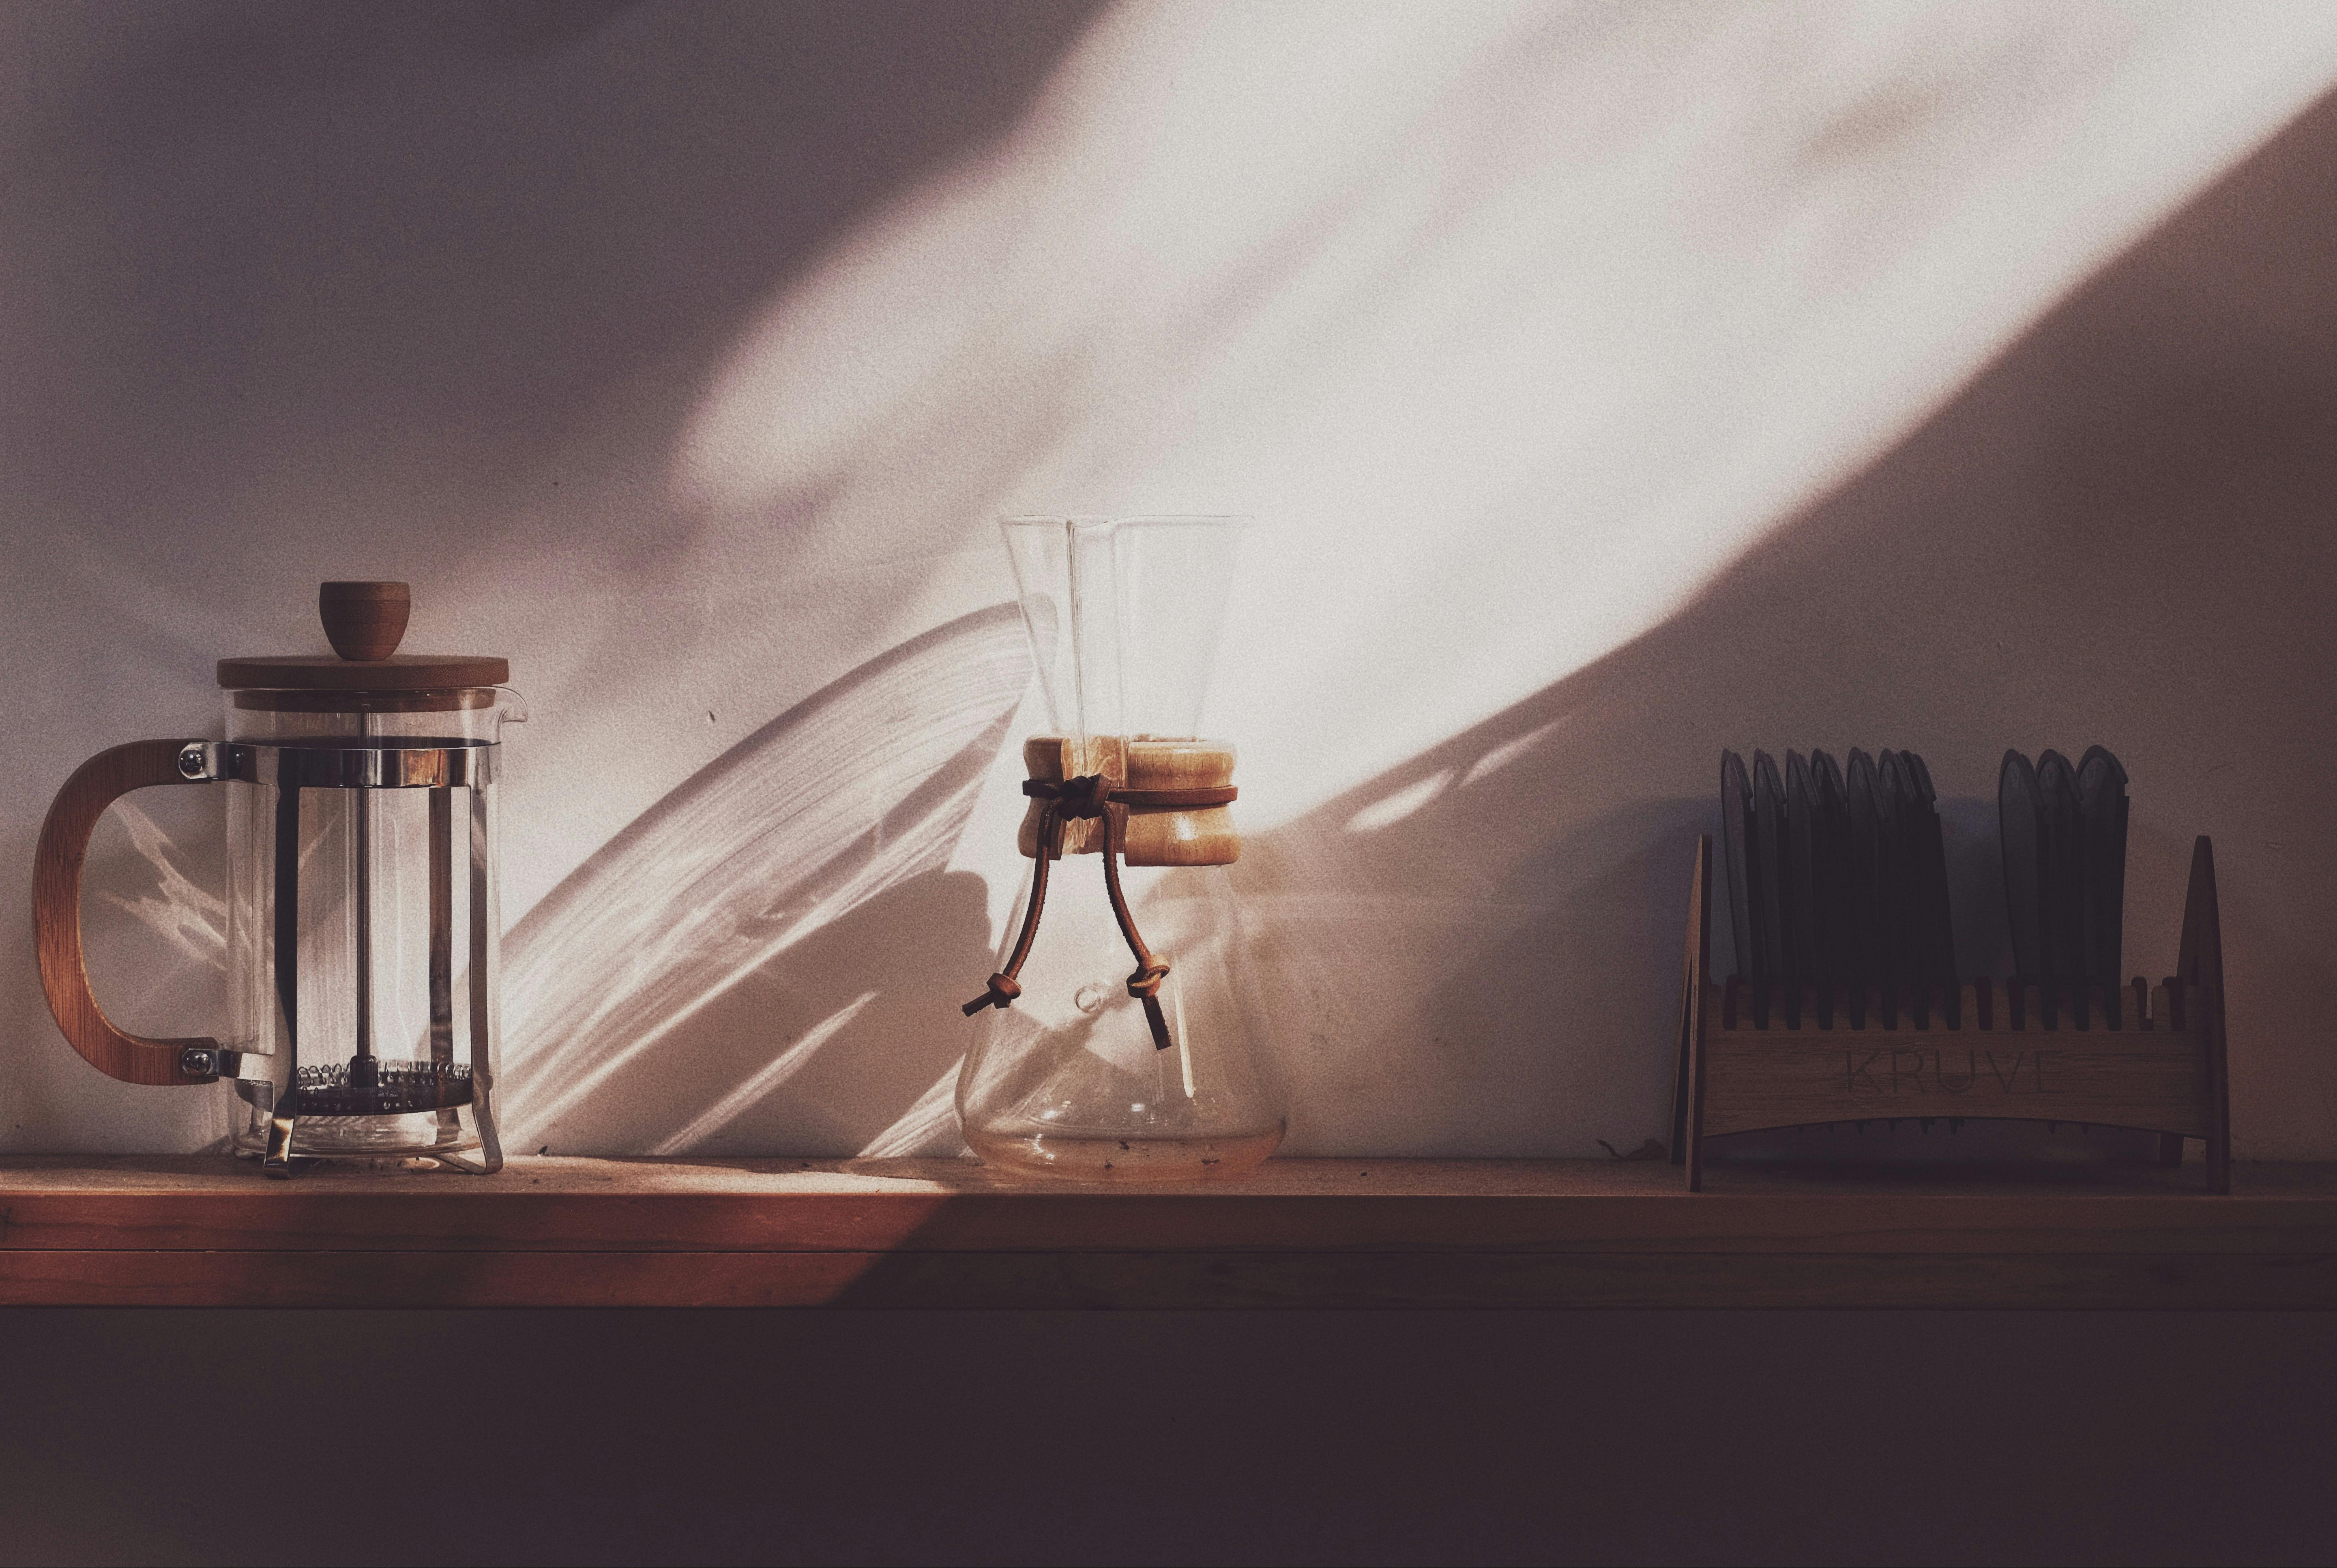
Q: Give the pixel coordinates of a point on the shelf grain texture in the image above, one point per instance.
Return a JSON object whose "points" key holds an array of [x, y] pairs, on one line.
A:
{"points": [[210, 1232]]}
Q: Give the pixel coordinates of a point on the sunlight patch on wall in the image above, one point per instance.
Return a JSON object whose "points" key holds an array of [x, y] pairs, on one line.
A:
{"points": [[1512, 323], [183, 912], [1390, 809]]}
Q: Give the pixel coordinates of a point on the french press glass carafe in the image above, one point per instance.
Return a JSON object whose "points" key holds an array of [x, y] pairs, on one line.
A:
{"points": [[1087, 1069], [362, 922]]}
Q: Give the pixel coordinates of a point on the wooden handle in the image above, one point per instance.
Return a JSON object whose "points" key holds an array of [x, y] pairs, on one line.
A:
{"points": [[57, 912]]}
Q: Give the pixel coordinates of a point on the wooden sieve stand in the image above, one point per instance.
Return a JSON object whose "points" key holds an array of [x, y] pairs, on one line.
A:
{"points": [[2152, 1058]]}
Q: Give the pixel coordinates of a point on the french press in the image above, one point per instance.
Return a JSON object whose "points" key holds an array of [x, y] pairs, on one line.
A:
{"points": [[362, 922]]}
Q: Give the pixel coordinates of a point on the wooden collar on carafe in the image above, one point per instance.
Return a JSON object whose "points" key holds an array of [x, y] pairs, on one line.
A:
{"points": [[1152, 803], [364, 622]]}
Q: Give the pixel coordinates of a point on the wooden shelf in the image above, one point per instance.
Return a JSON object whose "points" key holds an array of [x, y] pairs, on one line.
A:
{"points": [[210, 1232]]}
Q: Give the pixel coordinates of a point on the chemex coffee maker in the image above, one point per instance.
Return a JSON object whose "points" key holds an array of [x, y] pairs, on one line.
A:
{"points": [[361, 902], [1092, 1071]]}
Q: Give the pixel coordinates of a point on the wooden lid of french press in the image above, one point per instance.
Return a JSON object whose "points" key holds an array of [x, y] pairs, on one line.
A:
{"points": [[363, 621]]}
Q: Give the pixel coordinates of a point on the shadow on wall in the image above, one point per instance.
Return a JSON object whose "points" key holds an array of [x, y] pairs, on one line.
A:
{"points": [[395, 254], [2119, 534], [726, 975], [421, 291]]}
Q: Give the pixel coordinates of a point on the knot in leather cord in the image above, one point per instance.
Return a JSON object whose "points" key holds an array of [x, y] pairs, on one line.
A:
{"points": [[1080, 799], [1084, 799], [1001, 993]]}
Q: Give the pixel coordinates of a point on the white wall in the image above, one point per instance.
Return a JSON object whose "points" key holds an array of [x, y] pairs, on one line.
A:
{"points": [[1613, 384]]}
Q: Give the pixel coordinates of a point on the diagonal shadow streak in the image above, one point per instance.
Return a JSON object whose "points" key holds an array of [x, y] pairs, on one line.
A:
{"points": [[847, 803], [2115, 533]]}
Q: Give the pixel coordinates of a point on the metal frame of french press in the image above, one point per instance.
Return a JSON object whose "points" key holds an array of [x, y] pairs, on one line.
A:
{"points": [[440, 769], [1760, 1058]]}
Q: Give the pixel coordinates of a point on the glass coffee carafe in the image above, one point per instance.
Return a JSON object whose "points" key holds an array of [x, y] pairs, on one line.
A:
{"points": [[362, 922], [1093, 1071]]}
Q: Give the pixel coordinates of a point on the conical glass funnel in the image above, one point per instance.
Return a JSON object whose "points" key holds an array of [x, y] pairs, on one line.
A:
{"points": [[1085, 1067]]}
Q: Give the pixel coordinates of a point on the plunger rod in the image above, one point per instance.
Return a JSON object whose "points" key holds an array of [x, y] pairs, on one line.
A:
{"points": [[286, 1105], [287, 916], [442, 925], [363, 1072]]}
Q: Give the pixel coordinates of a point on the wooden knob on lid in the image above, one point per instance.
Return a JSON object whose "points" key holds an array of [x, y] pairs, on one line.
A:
{"points": [[364, 672], [363, 621]]}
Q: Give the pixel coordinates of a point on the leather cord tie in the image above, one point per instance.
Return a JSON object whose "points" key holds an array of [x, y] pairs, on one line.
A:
{"points": [[1083, 799]]}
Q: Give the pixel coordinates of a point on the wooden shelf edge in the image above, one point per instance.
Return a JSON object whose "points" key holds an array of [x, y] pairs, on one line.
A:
{"points": [[1415, 1234]]}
